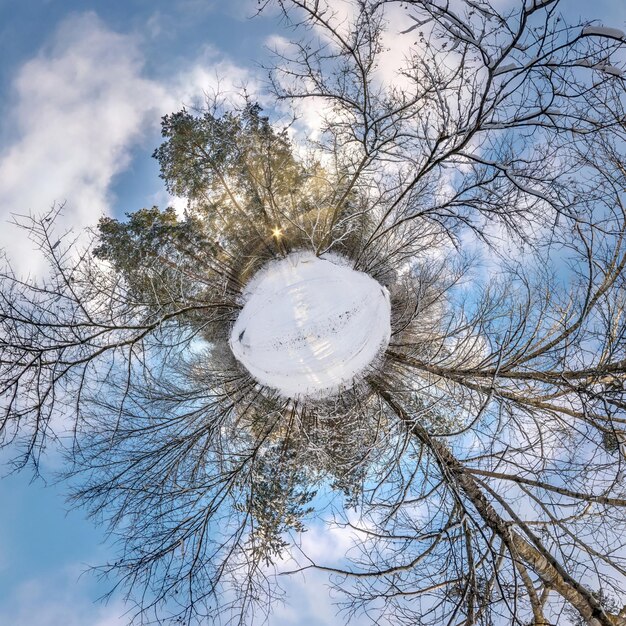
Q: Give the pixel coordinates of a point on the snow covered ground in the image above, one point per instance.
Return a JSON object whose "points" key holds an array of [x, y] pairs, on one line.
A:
{"points": [[310, 325]]}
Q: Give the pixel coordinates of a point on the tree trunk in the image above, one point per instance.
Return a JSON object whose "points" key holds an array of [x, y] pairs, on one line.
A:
{"points": [[547, 568]]}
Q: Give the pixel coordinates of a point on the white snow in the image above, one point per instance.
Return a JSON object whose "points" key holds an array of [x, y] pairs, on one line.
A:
{"points": [[502, 69], [310, 325], [603, 31], [608, 69]]}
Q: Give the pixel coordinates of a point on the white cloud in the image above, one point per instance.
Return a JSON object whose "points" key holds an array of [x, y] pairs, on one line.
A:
{"points": [[59, 599], [78, 106], [310, 602], [210, 75], [78, 109], [311, 599]]}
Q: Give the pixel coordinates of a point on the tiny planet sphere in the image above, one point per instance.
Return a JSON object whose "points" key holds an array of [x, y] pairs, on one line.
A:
{"points": [[311, 325]]}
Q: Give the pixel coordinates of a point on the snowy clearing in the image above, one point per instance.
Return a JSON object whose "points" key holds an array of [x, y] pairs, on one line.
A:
{"points": [[310, 325]]}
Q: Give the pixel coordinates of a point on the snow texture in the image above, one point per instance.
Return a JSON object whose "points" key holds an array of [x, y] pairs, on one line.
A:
{"points": [[603, 31], [310, 326], [502, 69]]}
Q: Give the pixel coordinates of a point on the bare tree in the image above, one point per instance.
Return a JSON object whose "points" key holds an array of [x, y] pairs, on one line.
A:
{"points": [[479, 462]]}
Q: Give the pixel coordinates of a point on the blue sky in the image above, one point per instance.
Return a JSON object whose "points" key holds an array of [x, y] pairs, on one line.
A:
{"points": [[83, 85]]}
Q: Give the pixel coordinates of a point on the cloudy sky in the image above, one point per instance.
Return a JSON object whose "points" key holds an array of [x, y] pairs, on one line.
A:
{"points": [[83, 84]]}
